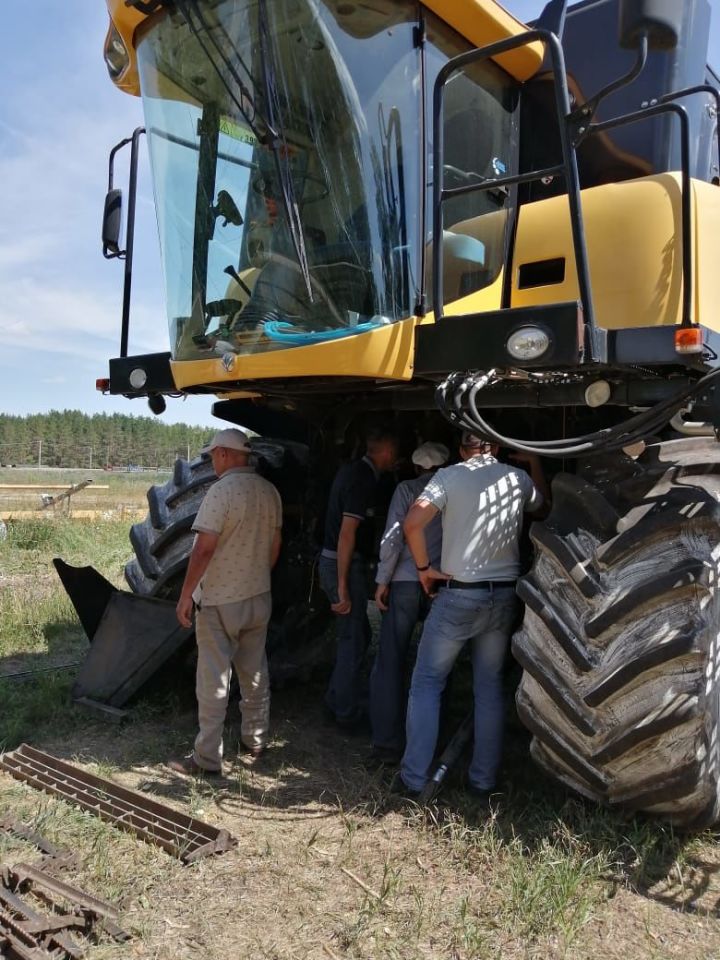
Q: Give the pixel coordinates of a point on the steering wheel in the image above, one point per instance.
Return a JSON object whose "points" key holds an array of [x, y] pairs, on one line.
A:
{"points": [[461, 177]]}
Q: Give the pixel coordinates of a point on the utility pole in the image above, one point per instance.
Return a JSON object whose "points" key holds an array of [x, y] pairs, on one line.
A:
{"points": [[90, 457], [39, 454]]}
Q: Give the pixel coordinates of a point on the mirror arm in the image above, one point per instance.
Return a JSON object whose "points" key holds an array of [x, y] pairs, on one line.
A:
{"points": [[582, 116]]}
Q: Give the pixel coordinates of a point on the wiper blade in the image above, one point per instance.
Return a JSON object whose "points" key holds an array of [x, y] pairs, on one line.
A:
{"points": [[271, 137], [280, 151]]}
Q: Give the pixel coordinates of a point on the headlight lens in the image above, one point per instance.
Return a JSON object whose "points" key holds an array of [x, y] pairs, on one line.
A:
{"points": [[137, 378], [116, 56], [597, 393], [528, 343]]}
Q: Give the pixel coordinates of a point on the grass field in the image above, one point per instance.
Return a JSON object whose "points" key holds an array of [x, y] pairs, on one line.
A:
{"points": [[328, 863]]}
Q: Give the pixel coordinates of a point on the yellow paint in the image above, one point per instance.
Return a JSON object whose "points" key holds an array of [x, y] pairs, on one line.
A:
{"points": [[385, 353], [127, 20], [706, 219], [483, 22], [634, 251], [634, 248]]}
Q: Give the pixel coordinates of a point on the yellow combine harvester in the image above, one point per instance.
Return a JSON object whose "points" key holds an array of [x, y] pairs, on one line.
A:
{"points": [[430, 213]]}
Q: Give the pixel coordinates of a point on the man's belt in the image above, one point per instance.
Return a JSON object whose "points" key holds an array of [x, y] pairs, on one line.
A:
{"points": [[477, 584]]}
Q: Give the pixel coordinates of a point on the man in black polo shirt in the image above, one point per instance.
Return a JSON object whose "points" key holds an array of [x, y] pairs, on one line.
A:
{"points": [[348, 548]]}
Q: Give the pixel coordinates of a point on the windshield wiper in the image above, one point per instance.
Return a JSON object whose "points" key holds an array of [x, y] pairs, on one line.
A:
{"points": [[279, 147], [271, 137]]}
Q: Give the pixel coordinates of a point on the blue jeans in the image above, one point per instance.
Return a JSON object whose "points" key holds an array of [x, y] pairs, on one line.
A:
{"points": [[484, 615], [353, 637], [407, 605]]}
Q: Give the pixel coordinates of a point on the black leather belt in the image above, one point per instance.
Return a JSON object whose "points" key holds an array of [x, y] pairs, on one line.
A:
{"points": [[477, 584]]}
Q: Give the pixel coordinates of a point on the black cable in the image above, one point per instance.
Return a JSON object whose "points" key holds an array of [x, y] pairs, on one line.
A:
{"points": [[226, 63], [603, 440]]}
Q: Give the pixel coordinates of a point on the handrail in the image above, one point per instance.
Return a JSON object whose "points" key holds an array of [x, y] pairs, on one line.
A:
{"points": [[568, 168]]}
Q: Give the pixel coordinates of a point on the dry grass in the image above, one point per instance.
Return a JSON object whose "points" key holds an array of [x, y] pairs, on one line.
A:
{"points": [[126, 493], [328, 863]]}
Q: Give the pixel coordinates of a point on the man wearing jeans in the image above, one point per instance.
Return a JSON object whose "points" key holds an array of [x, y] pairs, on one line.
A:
{"points": [[343, 567], [404, 604], [482, 503], [236, 545]]}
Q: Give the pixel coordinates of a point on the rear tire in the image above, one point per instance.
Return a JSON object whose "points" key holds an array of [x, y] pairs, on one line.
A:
{"points": [[619, 644], [297, 635]]}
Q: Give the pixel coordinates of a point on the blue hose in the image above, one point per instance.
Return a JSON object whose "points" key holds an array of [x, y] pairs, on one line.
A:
{"points": [[285, 332]]}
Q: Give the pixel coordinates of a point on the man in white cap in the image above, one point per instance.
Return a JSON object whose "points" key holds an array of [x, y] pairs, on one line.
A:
{"points": [[404, 603], [236, 545], [481, 502]]}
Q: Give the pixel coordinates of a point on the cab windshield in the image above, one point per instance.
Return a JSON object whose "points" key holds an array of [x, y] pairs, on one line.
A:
{"points": [[285, 148]]}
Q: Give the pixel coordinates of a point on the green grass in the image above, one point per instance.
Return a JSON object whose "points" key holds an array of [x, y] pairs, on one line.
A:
{"points": [[38, 624], [30, 546]]}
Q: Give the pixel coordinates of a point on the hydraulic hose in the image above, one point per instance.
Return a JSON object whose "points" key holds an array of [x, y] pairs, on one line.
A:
{"points": [[456, 398]]}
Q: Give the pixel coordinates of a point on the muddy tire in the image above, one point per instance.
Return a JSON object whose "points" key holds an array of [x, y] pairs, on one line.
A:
{"points": [[297, 636], [619, 643]]}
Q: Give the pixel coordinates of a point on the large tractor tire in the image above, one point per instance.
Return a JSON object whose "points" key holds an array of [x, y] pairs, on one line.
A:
{"points": [[619, 644], [297, 635]]}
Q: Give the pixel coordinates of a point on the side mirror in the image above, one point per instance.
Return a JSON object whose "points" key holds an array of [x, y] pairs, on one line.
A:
{"points": [[112, 221], [660, 20]]}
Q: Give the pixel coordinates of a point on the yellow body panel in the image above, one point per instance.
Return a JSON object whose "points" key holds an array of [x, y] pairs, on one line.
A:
{"points": [[479, 21], [482, 23], [383, 354], [635, 255], [126, 21], [706, 219], [634, 251]]}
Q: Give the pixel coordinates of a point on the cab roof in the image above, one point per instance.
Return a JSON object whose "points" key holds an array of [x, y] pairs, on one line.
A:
{"points": [[480, 21]]}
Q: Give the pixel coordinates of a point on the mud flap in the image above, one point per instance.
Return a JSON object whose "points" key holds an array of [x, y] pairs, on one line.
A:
{"points": [[131, 637]]}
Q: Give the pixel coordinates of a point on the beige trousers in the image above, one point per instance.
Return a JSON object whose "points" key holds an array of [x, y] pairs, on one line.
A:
{"points": [[232, 634]]}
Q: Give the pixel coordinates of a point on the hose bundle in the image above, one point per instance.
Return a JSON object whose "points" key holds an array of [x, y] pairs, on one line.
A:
{"points": [[456, 399]]}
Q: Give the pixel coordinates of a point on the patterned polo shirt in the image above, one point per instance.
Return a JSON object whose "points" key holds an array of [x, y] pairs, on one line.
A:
{"points": [[245, 510]]}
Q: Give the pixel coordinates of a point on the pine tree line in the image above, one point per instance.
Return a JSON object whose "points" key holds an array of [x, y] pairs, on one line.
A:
{"points": [[69, 438]]}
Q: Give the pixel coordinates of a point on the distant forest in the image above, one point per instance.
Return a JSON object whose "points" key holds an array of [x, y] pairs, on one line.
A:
{"points": [[69, 438]]}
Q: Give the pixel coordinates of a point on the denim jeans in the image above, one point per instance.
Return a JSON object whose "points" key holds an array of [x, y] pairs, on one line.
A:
{"points": [[485, 616], [407, 605], [353, 637]]}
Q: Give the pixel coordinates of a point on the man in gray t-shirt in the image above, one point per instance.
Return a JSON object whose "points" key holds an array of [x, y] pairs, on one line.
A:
{"points": [[482, 503]]}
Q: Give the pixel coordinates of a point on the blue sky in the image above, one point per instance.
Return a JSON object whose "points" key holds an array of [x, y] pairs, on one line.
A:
{"points": [[60, 300]]}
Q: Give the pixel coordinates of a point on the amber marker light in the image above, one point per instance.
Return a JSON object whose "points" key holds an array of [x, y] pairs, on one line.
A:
{"points": [[689, 340], [102, 384]]}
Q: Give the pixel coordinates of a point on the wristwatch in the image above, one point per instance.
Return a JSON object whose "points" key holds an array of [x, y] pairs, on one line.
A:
{"points": [[422, 569]]}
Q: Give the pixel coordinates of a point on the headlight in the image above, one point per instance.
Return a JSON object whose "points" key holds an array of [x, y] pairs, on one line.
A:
{"points": [[597, 393], [116, 56], [528, 343], [137, 378]]}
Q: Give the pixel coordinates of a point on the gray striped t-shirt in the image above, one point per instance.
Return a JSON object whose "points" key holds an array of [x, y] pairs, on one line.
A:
{"points": [[482, 503]]}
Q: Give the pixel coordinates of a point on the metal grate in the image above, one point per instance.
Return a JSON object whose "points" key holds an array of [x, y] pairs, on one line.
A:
{"points": [[182, 836]]}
